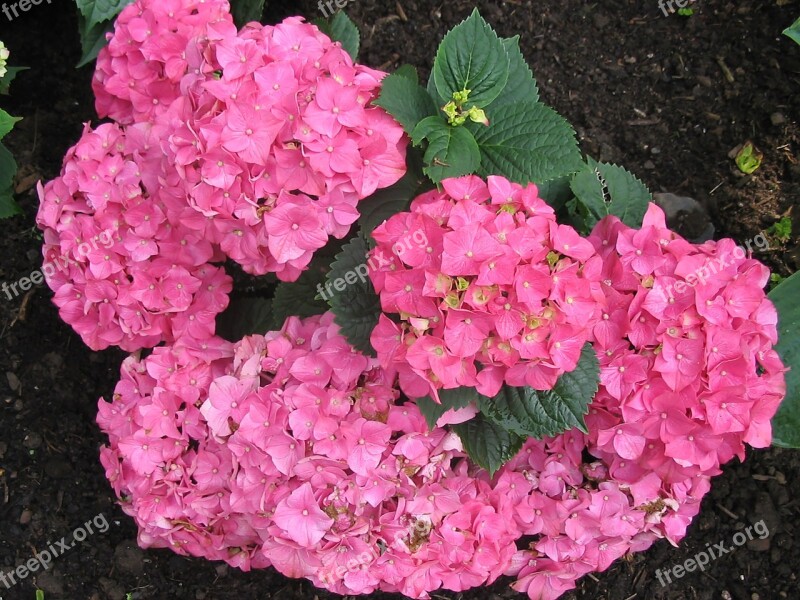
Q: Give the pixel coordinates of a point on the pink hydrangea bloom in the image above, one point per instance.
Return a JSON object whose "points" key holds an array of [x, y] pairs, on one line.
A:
{"points": [[268, 135], [278, 144], [290, 449], [154, 55], [688, 377], [123, 272], [489, 289]]}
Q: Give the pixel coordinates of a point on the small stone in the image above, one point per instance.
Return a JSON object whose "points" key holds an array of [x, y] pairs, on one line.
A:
{"points": [[129, 558], [601, 20], [764, 511], [58, 468], [777, 118], [50, 582], [25, 517], [686, 216], [705, 81], [112, 589], [54, 362], [222, 570], [759, 545], [13, 381], [649, 165], [32, 441]]}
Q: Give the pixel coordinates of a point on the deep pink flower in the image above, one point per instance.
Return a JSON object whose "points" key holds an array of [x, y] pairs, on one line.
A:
{"points": [[301, 518]]}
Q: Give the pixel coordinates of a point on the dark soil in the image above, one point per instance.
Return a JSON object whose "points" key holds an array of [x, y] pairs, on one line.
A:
{"points": [[642, 89]]}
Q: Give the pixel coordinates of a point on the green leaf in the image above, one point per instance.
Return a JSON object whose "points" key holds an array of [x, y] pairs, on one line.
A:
{"points": [[343, 30], [300, 298], [556, 192], [8, 169], [97, 11], [95, 20], [793, 31], [452, 151], [487, 443], [604, 189], [527, 141], [786, 423], [471, 57], [406, 100], [450, 399], [426, 127], [245, 11], [434, 93], [409, 72], [387, 202], [521, 85], [93, 39], [8, 78], [245, 316], [349, 292], [533, 413], [7, 123], [430, 410], [8, 206]]}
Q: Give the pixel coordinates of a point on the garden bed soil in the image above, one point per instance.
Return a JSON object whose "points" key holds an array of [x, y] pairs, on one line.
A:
{"points": [[668, 97]]}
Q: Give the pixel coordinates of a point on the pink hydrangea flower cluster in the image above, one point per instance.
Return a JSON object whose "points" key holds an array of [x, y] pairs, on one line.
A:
{"points": [[289, 449], [583, 518], [688, 376], [154, 46], [688, 369], [276, 149], [255, 145], [123, 273], [500, 293]]}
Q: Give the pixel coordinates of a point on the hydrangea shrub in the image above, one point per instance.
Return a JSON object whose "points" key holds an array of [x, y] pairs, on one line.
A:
{"points": [[511, 366]]}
